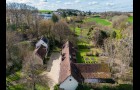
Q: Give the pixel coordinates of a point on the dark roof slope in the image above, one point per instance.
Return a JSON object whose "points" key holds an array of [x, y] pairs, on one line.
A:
{"points": [[41, 51], [94, 70], [45, 39], [76, 73]]}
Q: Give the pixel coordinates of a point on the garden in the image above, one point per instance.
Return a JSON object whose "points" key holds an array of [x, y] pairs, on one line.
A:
{"points": [[87, 54]]}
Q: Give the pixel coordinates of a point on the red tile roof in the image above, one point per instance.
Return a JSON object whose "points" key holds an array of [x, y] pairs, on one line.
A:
{"points": [[94, 70], [67, 67]]}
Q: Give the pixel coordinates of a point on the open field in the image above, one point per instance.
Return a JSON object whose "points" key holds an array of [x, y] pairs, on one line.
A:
{"points": [[98, 21], [45, 11]]}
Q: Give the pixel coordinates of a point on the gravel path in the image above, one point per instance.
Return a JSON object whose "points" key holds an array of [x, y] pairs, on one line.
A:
{"points": [[53, 66]]}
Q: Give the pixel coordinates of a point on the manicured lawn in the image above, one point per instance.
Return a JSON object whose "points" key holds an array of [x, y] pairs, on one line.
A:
{"points": [[98, 21]]}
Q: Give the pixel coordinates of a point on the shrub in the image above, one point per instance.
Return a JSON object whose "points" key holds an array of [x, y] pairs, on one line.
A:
{"points": [[118, 22], [83, 86], [96, 54], [56, 87], [89, 54], [113, 34], [54, 18], [99, 37]]}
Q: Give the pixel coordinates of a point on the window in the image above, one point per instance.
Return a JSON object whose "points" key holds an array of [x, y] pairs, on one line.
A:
{"points": [[70, 79]]}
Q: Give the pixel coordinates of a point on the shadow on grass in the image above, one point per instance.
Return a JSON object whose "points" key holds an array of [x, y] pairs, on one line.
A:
{"points": [[79, 57], [83, 47]]}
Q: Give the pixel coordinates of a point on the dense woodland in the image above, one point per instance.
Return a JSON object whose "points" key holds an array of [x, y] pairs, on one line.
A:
{"points": [[108, 34]]}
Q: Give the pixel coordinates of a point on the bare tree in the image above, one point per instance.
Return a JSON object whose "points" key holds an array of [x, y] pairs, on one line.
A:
{"points": [[45, 28], [119, 22], [33, 72], [11, 48], [62, 31]]}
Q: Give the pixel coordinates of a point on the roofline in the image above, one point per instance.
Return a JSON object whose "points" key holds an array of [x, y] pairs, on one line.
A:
{"points": [[66, 78]]}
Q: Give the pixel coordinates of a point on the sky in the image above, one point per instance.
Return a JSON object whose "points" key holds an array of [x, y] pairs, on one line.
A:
{"points": [[84, 5]]}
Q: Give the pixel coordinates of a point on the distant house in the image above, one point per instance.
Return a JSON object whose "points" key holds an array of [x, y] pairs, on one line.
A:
{"points": [[41, 51], [72, 73], [43, 41], [45, 16]]}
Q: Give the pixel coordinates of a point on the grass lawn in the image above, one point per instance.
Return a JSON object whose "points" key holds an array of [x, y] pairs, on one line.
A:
{"points": [[130, 19], [68, 18], [98, 21], [78, 31], [40, 87], [14, 77], [16, 87]]}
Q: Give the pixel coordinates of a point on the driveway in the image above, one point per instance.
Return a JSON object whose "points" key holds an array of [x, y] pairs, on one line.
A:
{"points": [[53, 66]]}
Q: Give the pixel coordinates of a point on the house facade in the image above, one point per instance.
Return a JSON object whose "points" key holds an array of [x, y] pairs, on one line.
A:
{"points": [[69, 83], [41, 51], [45, 16]]}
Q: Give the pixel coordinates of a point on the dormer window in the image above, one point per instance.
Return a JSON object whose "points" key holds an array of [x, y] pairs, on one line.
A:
{"points": [[63, 58], [70, 56], [63, 46], [63, 54]]}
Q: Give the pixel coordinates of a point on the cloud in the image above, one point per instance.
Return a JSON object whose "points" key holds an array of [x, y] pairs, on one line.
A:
{"points": [[92, 3], [58, 1], [68, 3], [77, 1], [109, 4], [86, 5], [21, 1], [44, 0]]}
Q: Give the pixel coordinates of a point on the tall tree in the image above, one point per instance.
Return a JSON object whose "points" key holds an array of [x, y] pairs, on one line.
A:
{"points": [[55, 18]]}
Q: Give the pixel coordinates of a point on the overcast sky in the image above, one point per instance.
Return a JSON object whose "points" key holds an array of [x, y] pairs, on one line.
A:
{"points": [[84, 5]]}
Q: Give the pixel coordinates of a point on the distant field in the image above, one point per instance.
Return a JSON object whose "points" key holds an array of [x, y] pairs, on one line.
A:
{"points": [[45, 11], [98, 20], [130, 19]]}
